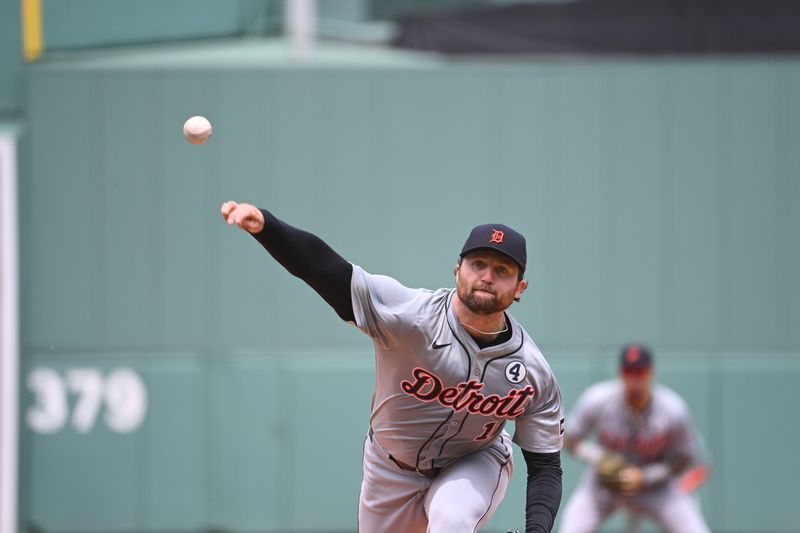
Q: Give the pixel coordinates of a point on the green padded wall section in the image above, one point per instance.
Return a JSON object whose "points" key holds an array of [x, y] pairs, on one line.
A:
{"points": [[658, 200], [10, 58], [99, 23]]}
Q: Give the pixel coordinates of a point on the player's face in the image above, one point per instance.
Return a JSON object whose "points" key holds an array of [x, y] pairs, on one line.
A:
{"points": [[637, 384], [487, 282]]}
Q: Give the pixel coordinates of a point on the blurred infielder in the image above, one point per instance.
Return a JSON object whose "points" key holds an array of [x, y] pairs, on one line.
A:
{"points": [[452, 367], [646, 440]]}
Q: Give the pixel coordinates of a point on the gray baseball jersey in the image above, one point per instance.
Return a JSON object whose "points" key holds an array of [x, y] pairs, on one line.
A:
{"points": [[664, 429], [438, 395]]}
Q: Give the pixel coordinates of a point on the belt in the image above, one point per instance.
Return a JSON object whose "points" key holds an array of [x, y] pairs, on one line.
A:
{"points": [[425, 472]]}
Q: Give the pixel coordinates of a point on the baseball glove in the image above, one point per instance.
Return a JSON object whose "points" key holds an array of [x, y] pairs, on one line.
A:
{"points": [[608, 470]]}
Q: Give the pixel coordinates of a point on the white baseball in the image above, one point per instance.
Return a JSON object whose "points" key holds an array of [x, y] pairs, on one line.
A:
{"points": [[197, 129]]}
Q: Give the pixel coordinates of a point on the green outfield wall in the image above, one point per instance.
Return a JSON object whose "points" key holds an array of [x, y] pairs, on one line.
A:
{"points": [[176, 379], [10, 59], [103, 23]]}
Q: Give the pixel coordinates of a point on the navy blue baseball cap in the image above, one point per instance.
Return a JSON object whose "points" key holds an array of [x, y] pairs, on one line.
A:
{"points": [[635, 357], [500, 238]]}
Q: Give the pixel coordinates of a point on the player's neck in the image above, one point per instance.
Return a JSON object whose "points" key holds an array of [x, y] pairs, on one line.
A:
{"points": [[483, 327]]}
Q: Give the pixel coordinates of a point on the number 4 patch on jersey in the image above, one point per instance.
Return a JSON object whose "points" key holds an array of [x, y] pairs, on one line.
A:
{"points": [[515, 372]]}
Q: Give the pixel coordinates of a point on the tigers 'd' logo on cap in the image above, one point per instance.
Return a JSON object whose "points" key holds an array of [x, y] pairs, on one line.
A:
{"points": [[633, 354], [497, 236]]}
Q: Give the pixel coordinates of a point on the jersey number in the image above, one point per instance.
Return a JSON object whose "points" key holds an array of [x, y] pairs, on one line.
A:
{"points": [[488, 429]]}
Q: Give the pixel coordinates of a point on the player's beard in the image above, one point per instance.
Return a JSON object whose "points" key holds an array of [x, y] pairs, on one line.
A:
{"points": [[482, 304]]}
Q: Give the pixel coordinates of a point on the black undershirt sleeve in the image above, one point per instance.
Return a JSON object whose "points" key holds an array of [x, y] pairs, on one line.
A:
{"points": [[543, 496], [309, 258]]}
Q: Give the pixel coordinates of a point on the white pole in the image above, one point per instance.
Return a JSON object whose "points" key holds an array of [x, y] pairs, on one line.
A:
{"points": [[9, 335], [300, 22]]}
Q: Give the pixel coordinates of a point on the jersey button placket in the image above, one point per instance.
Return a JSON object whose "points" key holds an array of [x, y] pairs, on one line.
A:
{"points": [[437, 447], [478, 362]]}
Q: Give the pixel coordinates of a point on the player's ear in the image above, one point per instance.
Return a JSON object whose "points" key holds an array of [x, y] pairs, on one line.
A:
{"points": [[521, 286]]}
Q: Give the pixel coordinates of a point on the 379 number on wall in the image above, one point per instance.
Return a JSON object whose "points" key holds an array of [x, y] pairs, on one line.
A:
{"points": [[120, 395]]}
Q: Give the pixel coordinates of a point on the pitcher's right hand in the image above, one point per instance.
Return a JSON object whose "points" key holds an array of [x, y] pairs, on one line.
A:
{"points": [[246, 216]]}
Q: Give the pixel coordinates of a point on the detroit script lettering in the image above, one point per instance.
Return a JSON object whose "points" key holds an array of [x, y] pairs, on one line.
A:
{"points": [[428, 387]]}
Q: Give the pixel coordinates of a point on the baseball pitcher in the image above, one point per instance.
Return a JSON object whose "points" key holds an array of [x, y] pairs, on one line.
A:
{"points": [[645, 441], [452, 367]]}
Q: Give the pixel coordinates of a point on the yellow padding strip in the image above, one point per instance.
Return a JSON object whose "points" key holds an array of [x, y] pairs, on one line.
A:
{"points": [[32, 43]]}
